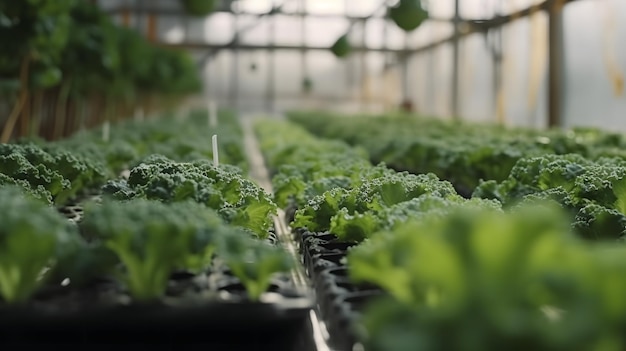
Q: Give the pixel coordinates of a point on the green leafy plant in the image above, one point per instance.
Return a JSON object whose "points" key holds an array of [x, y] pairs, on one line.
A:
{"points": [[238, 200], [151, 239], [60, 172], [373, 194], [33, 236], [198, 7], [17, 166], [408, 14], [593, 191], [460, 152], [341, 48], [494, 279], [254, 262]]}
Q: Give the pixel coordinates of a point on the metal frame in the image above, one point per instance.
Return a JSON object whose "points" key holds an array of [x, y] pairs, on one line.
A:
{"points": [[462, 28]]}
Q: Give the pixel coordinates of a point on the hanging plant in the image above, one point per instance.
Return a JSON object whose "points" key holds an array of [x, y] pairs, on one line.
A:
{"points": [[341, 48], [198, 7], [408, 14]]}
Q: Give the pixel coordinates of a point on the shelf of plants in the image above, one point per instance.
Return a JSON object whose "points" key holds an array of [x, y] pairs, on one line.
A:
{"points": [[162, 246], [530, 257]]}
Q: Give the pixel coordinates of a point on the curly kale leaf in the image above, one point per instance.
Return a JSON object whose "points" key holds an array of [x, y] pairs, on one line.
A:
{"points": [[39, 192], [598, 222], [359, 226], [152, 238], [373, 194], [18, 167], [550, 171], [62, 172], [211, 186]]}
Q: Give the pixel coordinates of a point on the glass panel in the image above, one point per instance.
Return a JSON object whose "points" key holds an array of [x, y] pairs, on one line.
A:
{"points": [[363, 8], [524, 71], [260, 34], [324, 31], [217, 75], [441, 8], [288, 30], [328, 7], [218, 28], [476, 94], [595, 64], [255, 6]]}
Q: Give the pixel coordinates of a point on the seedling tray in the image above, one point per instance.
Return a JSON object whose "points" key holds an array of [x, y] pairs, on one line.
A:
{"points": [[235, 325], [340, 302], [206, 311]]}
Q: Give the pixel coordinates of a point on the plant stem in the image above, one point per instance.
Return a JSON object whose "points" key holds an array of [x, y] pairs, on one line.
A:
{"points": [[7, 131], [36, 115], [61, 110]]}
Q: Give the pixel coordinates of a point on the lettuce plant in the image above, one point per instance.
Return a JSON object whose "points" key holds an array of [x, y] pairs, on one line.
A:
{"points": [[32, 237]]}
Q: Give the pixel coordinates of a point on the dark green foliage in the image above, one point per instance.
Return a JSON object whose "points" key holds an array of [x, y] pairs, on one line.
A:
{"points": [[198, 7], [57, 170], [408, 14], [237, 199], [594, 191], [341, 48], [33, 236], [151, 239]]}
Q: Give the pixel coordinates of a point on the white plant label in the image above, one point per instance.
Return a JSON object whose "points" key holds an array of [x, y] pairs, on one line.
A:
{"points": [[216, 158]]}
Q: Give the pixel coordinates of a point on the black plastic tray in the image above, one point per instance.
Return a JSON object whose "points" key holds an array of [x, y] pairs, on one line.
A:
{"points": [[223, 321], [340, 301], [220, 325]]}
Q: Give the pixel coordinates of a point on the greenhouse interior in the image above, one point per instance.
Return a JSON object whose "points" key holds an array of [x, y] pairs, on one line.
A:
{"points": [[313, 175]]}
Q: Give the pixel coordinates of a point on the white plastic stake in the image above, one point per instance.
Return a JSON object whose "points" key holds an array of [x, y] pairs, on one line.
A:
{"points": [[106, 130], [212, 114], [139, 115], [216, 157]]}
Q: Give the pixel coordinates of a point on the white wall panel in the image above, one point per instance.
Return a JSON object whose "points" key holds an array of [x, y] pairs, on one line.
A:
{"points": [[595, 34]]}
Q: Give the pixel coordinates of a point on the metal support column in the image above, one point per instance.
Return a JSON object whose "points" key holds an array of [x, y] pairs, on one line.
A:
{"points": [[346, 61], [431, 95], [364, 71], [555, 58], [234, 91], [455, 61], [306, 85], [386, 66], [271, 65], [404, 59], [493, 41]]}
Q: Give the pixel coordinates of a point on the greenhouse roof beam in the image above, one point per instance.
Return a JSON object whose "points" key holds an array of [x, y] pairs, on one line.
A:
{"points": [[177, 13], [239, 46], [235, 40], [481, 26], [170, 12]]}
